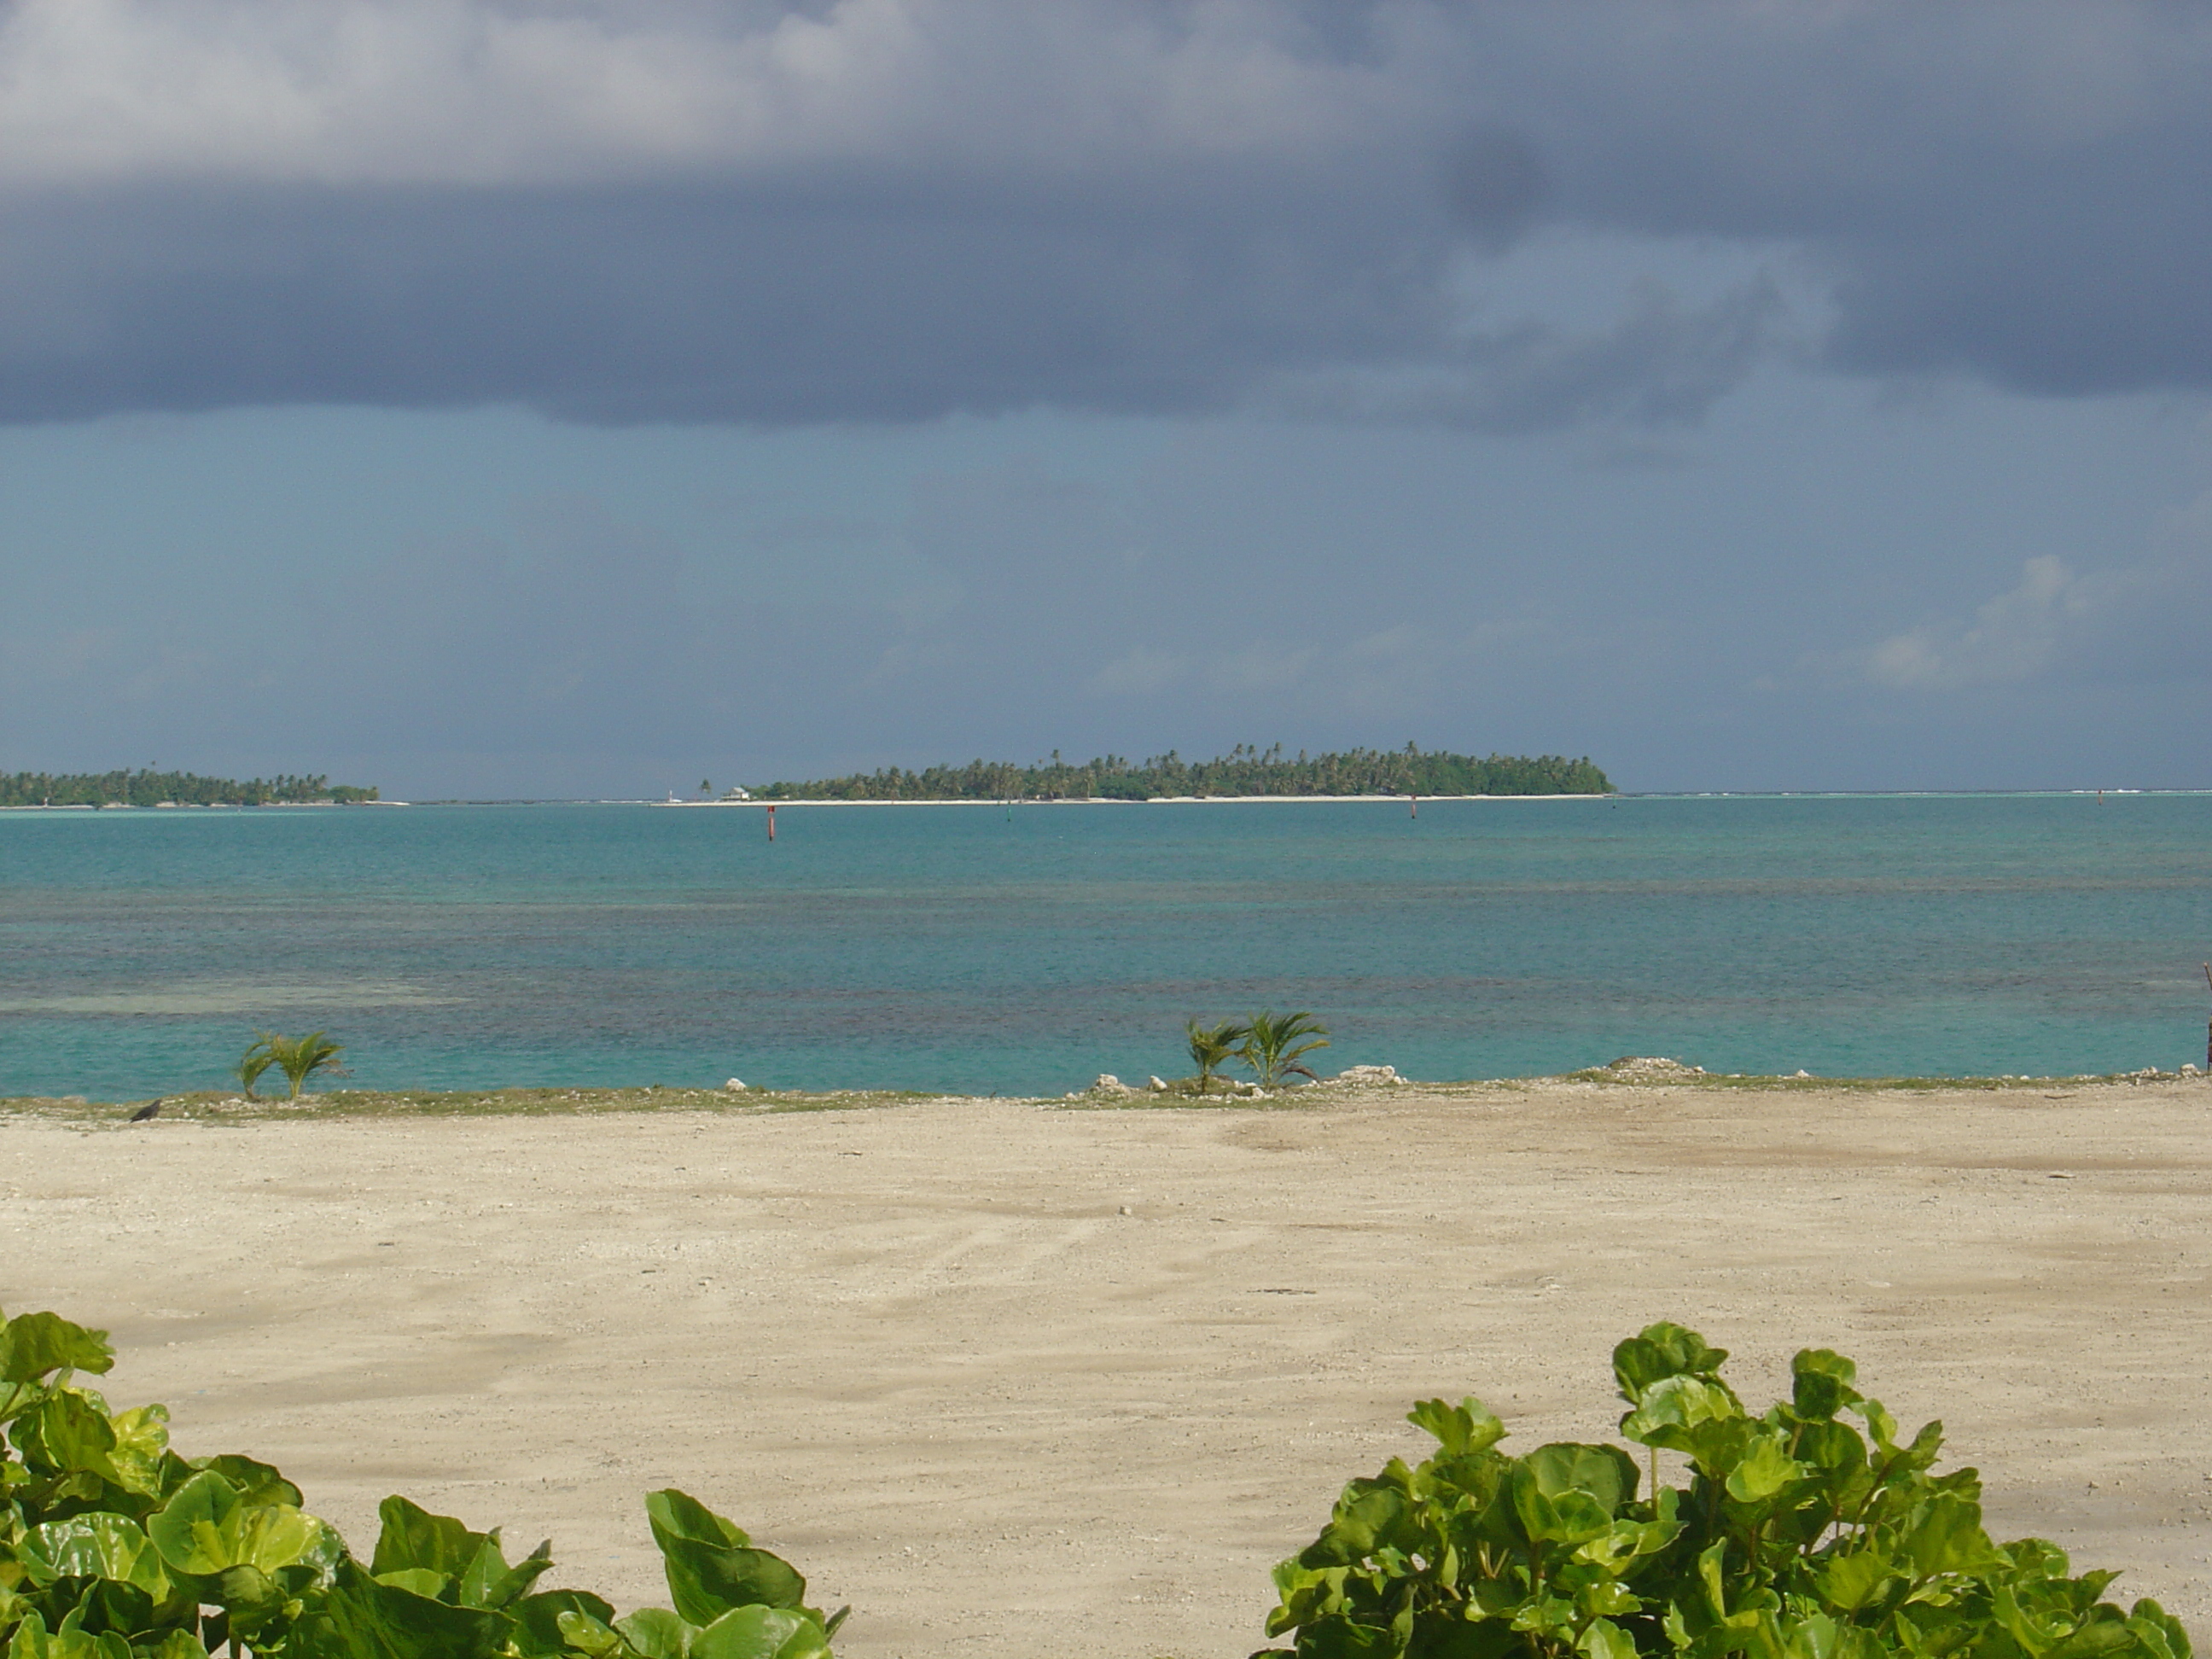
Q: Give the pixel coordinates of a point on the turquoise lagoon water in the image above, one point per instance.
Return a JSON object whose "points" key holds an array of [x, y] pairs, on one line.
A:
{"points": [[968, 948]]}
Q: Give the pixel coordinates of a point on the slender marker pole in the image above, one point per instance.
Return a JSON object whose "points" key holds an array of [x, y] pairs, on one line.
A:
{"points": [[771, 824], [1413, 802]]}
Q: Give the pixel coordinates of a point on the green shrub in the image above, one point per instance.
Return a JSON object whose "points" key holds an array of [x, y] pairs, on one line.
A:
{"points": [[112, 1546], [1799, 1535]]}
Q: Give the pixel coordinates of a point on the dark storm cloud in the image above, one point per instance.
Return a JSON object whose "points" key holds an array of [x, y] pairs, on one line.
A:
{"points": [[647, 303], [892, 209]]}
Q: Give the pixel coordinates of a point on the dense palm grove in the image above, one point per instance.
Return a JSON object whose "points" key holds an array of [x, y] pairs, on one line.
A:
{"points": [[145, 789], [1245, 770]]}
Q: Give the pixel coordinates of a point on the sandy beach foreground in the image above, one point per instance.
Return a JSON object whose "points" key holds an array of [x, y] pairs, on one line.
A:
{"points": [[1015, 1379]]}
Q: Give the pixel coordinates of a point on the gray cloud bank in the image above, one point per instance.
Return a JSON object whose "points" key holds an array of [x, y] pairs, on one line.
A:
{"points": [[893, 210]]}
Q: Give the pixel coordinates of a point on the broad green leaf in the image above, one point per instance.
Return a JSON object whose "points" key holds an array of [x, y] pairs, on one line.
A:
{"points": [[66, 1431], [1813, 1636], [1820, 1383], [93, 1545], [1606, 1599], [1848, 1583], [1764, 1469], [1548, 1615], [32, 1641], [2037, 1558], [1673, 1406], [1606, 1473], [1709, 1561], [32, 1345], [253, 1598], [1946, 1536], [185, 1529], [678, 1515], [173, 1644], [490, 1582], [205, 1528], [1570, 1515], [1605, 1640], [1470, 1481], [361, 1619], [539, 1617], [1368, 1515], [418, 1581], [1624, 1541], [761, 1632], [707, 1581], [1466, 1427], [1836, 1450], [487, 1568], [657, 1633], [1926, 1447], [1660, 1351], [413, 1537], [589, 1635], [141, 1436], [2096, 1637], [2161, 1633], [105, 1604], [254, 1482], [1338, 1637]]}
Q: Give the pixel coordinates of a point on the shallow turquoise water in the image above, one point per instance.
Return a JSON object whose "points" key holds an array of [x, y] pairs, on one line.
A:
{"points": [[964, 948]]}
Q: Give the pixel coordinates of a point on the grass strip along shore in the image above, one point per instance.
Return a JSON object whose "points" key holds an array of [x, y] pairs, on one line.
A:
{"points": [[227, 1106]]}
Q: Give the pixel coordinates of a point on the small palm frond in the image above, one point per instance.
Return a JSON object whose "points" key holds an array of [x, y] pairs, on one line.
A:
{"points": [[1273, 1046], [300, 1058], [255, 1060], [1212, 1047]]}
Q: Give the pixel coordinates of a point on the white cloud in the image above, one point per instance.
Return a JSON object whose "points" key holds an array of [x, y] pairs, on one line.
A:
{"points": [[1657, 363], [2130, 623], [2015, 636], [452, 91]]}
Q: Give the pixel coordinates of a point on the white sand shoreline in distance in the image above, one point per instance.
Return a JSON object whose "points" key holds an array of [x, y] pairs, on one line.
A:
{"points": [[1014, 1376]]}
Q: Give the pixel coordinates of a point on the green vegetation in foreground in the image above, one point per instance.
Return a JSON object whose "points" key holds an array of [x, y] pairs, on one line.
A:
{"points": [[1811, 1531], [144, 788], [112, 1546], [1245, 770]]}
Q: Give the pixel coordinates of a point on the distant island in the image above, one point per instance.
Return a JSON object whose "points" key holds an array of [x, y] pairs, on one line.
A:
{"points": [[144, 788], [1245, 770]]}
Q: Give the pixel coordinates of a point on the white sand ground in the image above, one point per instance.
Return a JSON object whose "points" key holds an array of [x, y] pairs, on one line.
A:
{"points": [[923, 1351]]}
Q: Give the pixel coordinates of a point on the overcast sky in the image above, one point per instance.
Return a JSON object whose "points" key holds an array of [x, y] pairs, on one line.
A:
{"points": [[576, 398]]}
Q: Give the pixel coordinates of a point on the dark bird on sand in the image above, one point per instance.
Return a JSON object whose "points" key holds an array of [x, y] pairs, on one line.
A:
{"points": [[151, 1109]]}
